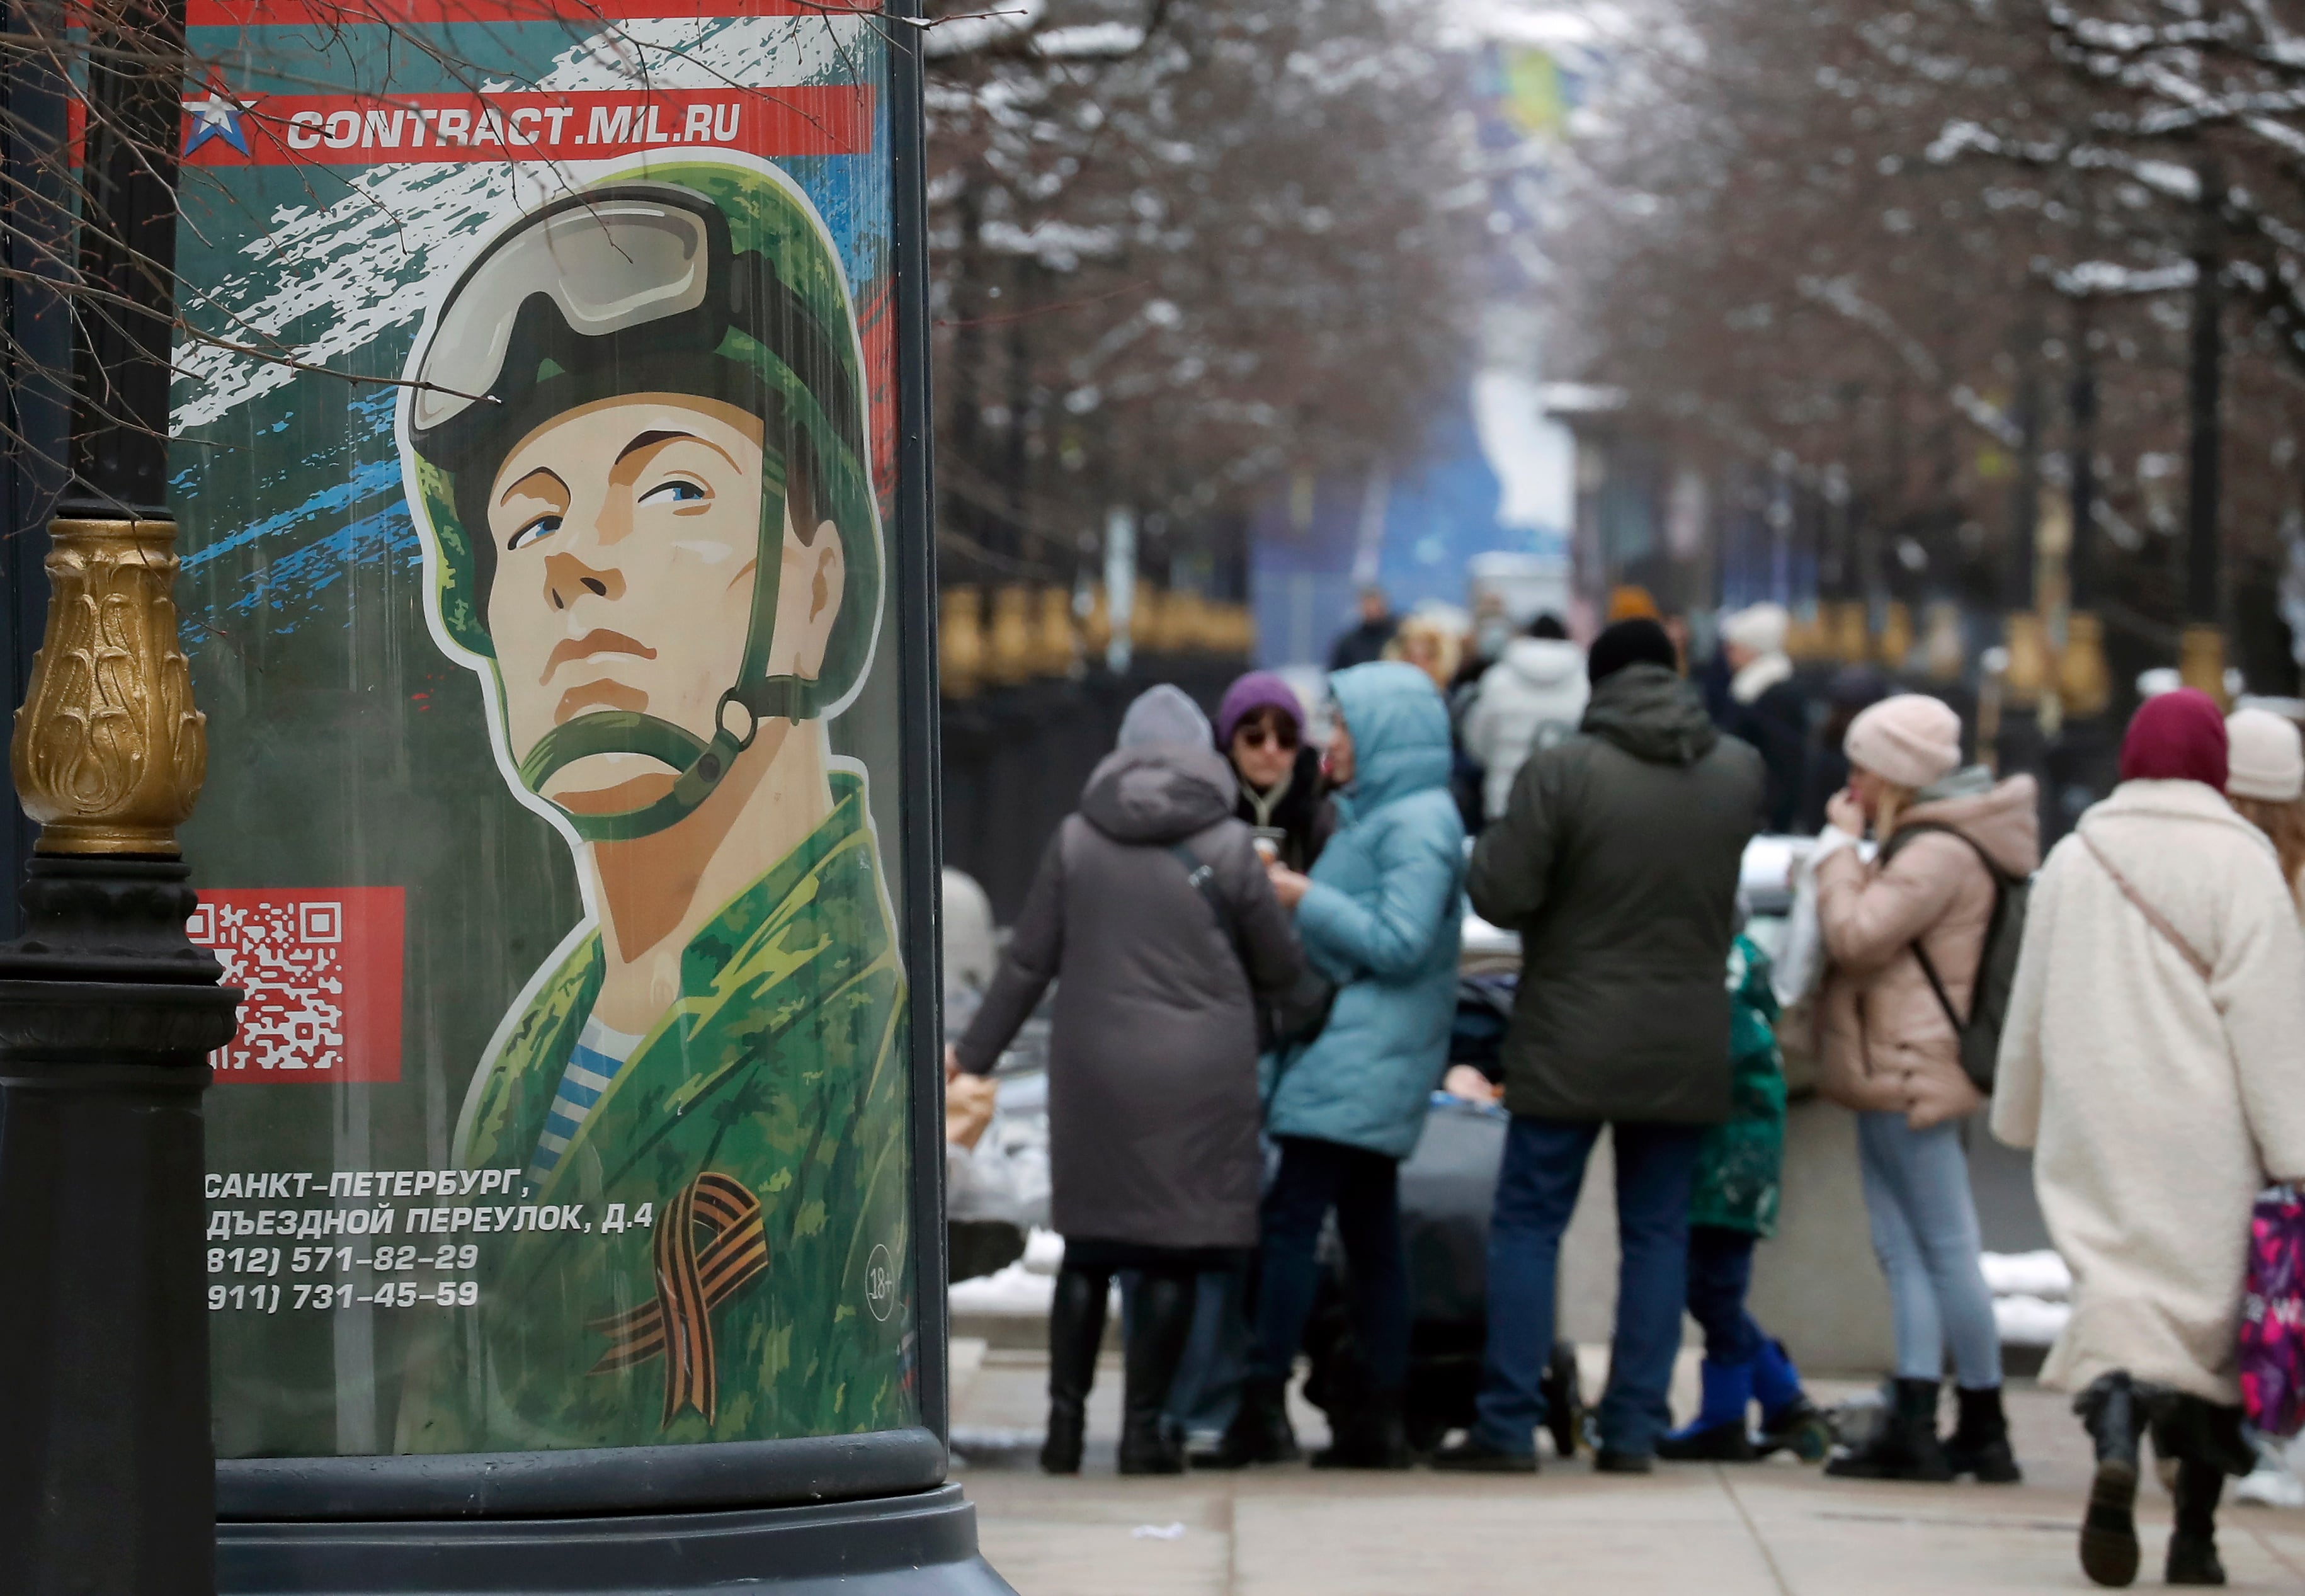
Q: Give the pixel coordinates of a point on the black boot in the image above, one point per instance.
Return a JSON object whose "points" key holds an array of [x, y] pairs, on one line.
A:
{"points": [[1564, 1399], [1076, 1332], [1368, 1435], [2206, 1442], [2116, 1420], [1160, 1322], [1905, 1446], [1979, 1442], [1260, 1431], [2193, 1543]]}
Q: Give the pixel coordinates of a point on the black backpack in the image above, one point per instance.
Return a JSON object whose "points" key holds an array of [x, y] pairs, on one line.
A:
{"points": [[1996, 960]]}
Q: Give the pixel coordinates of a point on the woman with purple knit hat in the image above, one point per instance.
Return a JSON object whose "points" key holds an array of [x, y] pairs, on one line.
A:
{"points": [[1260, 730]]}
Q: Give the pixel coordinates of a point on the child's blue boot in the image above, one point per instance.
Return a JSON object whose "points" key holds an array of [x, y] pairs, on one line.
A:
{"points": [[1790, 1421], [1717, 1434]]}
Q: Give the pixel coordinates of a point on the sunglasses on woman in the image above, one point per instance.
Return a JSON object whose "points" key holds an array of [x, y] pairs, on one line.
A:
{"points": [[1283, 738]]}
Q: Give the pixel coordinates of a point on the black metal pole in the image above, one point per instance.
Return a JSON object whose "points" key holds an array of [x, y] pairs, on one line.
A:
{"points": [[2202, 655], [2080, 459], [2025, 497], [2203, 596], [107, 1014]]}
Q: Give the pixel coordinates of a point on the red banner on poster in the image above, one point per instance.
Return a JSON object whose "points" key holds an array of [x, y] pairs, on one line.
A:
{"points": [[521, 126], [321, 970], [355, 13]]}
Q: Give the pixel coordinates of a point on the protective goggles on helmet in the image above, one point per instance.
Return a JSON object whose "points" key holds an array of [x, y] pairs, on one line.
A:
{"points": [[631, 281], [624, 271]]}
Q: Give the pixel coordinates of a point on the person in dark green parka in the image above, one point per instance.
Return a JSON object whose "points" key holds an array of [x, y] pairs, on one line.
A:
{"points": [[1616, 861]]}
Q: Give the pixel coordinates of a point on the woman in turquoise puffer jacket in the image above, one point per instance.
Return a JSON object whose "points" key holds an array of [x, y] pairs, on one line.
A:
{"points": [[1381, 915]]}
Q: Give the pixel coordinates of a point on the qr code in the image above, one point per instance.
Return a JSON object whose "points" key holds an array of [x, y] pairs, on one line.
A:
{"points": [[287, 957]]}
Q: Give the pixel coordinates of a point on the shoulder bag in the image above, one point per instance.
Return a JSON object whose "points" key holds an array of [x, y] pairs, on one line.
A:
{"points": [[2153, 917], [1285, 1020]]}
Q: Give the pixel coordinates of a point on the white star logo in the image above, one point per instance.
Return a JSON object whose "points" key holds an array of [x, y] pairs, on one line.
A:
{"points": [[217, 117]]}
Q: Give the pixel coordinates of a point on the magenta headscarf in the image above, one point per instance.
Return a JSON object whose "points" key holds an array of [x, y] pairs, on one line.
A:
{"points": [[2176, 737]]}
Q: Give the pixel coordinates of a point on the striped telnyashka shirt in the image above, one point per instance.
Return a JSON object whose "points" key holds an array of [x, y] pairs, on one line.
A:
{"points": [[592, 1064]]}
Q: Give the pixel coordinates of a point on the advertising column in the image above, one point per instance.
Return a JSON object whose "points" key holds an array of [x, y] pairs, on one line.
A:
{"points": [[554, 579]]}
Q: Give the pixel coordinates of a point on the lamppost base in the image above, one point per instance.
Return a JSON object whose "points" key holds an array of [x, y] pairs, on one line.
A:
{"points": [[919, 1544]]}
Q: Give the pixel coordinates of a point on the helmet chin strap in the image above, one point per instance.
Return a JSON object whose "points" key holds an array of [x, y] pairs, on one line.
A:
{"points": [[702, 765]]}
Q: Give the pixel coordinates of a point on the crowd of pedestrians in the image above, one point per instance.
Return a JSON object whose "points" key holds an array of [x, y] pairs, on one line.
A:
{"points": [[1256, 945]]}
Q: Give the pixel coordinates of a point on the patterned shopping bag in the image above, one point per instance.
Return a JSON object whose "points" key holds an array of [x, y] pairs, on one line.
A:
{"points": [[2272, 1315]]}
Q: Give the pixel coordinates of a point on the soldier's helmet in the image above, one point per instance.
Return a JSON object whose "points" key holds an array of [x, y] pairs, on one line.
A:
{"points": [[705, 279]]}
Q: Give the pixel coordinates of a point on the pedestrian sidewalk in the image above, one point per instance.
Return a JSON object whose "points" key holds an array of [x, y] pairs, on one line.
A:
{"points": [[1774, 1529]]}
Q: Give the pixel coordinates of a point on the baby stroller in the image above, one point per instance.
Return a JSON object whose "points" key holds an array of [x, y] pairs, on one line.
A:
{"points": [[1448, 1187]]}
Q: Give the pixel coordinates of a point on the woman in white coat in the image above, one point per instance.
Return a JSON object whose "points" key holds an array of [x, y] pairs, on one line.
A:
{"points": [[2152, 1060]]}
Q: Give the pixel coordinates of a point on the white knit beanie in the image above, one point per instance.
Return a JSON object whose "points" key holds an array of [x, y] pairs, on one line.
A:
{"points": [[2265, 757], [1911, 739], [1761, 627]]}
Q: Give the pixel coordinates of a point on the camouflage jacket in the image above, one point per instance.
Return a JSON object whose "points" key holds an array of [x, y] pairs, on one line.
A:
{"points": [[755, 1142], [1739, 1168]]}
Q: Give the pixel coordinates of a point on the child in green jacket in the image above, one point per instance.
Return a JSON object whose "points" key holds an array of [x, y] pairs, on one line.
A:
{"points": [[1732, 1205]]}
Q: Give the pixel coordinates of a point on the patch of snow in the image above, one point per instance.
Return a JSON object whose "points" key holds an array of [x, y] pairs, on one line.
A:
{"points": [[1013, 1290], [2025, 1321], [1044, 1252], [946, 37], [1580, 398], [1089, 41], [2274, 1482], [2041, 1274]]}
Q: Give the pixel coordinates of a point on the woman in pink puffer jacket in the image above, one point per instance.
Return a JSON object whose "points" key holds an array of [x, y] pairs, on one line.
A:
{"points": [[1892, 1051]]}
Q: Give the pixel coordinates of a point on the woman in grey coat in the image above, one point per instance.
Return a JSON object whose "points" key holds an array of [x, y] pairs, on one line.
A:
{"points": [[1152, 906]]}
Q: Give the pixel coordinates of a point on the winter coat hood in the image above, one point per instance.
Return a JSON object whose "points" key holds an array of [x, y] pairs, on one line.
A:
{"points": [[1653, 715], [2004, 819], [1382, 918], [1151, 1078], [1531, 699], [1616, 859], [1400, 732], [1158, 794], [1544, 661]]}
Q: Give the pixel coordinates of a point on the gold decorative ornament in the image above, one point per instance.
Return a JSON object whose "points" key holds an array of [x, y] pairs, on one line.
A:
{"points": [[109, 753], [2201, 660], [1056, 645], [1851, 621], [1944, 652], [1896, 645], [1010, 661], [1805, 637], [1148, 620], [2084, 680], [2028, 675], [1096, 626], [960, 642]]}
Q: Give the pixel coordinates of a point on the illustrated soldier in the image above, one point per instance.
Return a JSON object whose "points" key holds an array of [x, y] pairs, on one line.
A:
{"points": [[636, 441]]}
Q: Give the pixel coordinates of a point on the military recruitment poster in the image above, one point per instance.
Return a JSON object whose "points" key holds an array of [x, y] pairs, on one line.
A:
{"points": [[534, 460]]}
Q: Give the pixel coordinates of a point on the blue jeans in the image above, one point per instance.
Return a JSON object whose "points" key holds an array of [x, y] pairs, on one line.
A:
{"points": [[1720, 1273], [1537, 1194], [1364, 1188], [1206, 1391], [1924, 1233]]}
